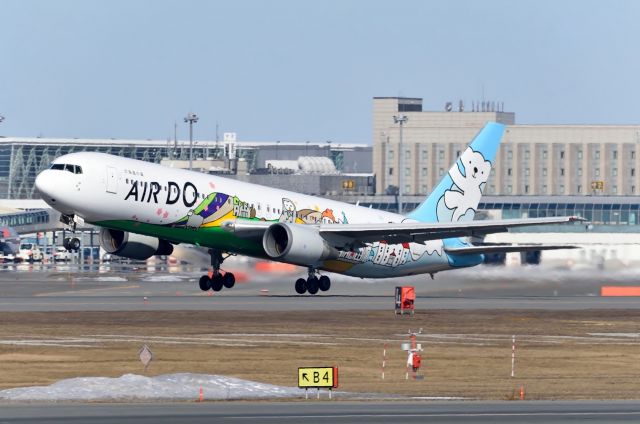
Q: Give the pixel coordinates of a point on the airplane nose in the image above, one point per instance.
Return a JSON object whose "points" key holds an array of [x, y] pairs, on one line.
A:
{"points": [[46, 187]]}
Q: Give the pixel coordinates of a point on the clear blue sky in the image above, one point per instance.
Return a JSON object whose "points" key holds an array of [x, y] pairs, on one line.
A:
{"points": [[307, 70]]}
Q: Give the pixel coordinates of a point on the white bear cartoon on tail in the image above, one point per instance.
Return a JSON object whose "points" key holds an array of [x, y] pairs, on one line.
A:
{"points": [[476, 173]]}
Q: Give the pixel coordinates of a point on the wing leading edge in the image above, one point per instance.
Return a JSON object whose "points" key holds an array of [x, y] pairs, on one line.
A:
{"points": [[340, 235], [420, 232]]}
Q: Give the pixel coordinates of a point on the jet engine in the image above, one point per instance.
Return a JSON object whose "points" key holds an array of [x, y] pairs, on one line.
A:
{"points": [[131, 245], [296, 243]]}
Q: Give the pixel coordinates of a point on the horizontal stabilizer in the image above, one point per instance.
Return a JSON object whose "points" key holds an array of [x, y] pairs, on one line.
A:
{"points": [[477, 250]]}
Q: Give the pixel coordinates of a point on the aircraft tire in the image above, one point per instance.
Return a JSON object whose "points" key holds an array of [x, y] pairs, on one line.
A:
{"points": [[324, 283], [74, 243], [301, 286], [65, 243], [312, 285], [205, 283], [229, 280], [217, 282]]}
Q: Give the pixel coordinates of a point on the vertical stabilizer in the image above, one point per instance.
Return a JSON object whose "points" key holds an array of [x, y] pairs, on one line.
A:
{"points": [[457, 195]]}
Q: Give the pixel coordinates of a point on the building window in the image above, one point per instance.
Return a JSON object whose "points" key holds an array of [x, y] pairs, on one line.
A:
{"points": [[597, 172], [527, 172], [544, 154], [509, 154], [579, 172], [425, 154], [527, 154], [509, 189], [424, 189], [633, 154], [633, 172], [441, 154], [424, 172], [615, 154], [526, 188], [441, 172], [407, 189], [633, 189], [390, 171], [596, 154], [614, 189], [561, 171], [561, 189], [407, 172], [579, 189], [407, 154], [614, 172], [390, 154], [561, 154], [544, 172], [579, 154], [509, 171], [544, 189], [492, 189]]}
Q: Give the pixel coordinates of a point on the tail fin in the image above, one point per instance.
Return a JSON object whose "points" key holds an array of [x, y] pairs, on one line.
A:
{"points": [[457, 195]]}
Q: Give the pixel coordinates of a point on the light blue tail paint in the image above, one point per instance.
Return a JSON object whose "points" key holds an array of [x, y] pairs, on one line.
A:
{"points": [[458, 194]]}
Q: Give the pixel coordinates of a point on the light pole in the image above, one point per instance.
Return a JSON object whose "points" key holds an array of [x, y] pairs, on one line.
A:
{"points": [[191, 118], [401, 120]]}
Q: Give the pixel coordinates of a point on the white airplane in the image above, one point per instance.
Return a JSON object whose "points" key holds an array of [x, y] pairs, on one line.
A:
{"points": [[144, 209]]}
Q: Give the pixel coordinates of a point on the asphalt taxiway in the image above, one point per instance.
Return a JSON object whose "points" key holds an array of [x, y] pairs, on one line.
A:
{"points": [[335, 412]]}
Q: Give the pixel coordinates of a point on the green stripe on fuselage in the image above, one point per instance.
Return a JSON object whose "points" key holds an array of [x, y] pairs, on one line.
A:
{"points": [[214, 237]]}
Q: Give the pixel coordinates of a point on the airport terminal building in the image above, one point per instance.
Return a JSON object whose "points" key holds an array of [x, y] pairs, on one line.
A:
{"points": [[574, 160], [21, 159]]}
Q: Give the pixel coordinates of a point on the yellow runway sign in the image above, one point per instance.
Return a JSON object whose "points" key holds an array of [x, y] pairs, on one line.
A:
{"points": [[318, 377]]}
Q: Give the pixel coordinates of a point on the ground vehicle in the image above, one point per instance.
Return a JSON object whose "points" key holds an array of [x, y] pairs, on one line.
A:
{"points": [[29, 252], [61, 254]]}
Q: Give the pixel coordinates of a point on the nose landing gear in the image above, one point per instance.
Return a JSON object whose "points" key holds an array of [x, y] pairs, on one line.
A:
{"points": [[312, 284], [217, 280]]}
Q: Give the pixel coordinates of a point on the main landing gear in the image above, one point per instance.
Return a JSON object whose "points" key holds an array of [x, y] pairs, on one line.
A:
{"points": [[217, 280], [312, 284]]}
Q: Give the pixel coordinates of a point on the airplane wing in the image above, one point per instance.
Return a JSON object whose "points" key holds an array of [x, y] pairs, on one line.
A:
{"points": [[420, 232], [359, 234]]}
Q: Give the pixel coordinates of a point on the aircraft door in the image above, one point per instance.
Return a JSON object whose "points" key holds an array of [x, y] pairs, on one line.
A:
{"points": [[112, 180]]}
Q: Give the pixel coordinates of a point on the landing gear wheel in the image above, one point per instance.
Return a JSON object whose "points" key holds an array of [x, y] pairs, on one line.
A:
{"points": [[205, 283], [74, 243], [229, 280], [324, 283], [66, 243], [217, 282], [301, 286], [312, 285]]}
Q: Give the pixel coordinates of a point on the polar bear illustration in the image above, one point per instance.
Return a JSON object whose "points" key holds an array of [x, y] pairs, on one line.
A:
{"points": [[469, 186], [194, 221]]}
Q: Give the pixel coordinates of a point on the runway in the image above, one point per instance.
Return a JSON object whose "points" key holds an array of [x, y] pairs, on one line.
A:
{"points": [[43, 289], [336, 412]]}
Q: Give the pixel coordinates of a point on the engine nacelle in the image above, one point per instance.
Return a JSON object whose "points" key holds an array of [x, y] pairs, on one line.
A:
{"points": [[296, 243], [133, 246]]}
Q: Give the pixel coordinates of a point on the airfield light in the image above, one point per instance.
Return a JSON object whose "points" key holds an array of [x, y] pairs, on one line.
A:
{"points": [[400, 120], [191, 118]]}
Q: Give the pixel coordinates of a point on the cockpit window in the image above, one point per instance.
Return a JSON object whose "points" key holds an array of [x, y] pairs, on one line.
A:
{"points": [[74, 169]]}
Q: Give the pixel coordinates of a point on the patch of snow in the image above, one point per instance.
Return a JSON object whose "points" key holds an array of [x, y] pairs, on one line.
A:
{"points": [[180, 386]]}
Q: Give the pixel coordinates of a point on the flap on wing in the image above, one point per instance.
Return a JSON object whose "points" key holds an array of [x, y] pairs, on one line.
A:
{"points": [[476, 250]]}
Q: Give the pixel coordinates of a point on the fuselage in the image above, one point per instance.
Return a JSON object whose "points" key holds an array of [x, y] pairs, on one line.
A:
{"points": [[184, 206]]}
